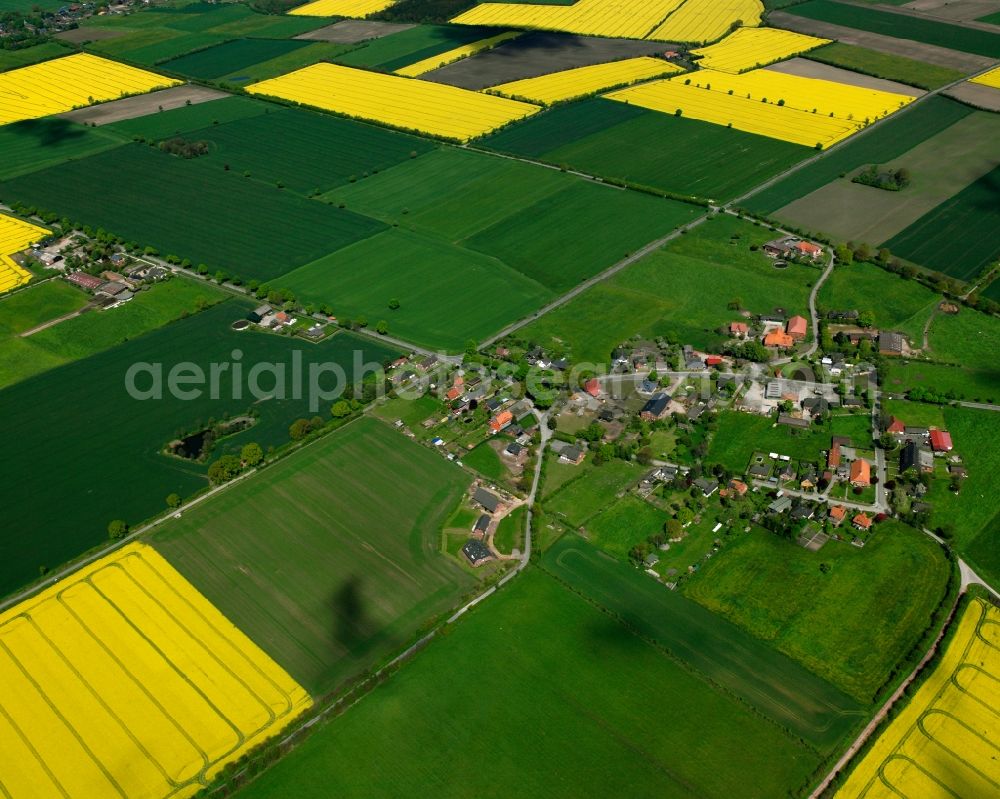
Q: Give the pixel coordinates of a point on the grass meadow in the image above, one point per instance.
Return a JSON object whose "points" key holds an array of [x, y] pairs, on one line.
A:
{"points": [[347, 572], [81, 441], [600, 694], [592, 490], [850, 625]]}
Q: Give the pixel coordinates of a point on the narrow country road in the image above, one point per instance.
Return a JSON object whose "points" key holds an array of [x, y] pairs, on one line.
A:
{"points": [[812, 307]]}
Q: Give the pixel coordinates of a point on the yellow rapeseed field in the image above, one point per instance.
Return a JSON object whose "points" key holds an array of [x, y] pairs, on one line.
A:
{"points": [[123, 680], [71, 82], [15, 236], [439, 60], [807, 111], [754, 47], [572, 83], [707, 20], [944, 743], [341, 8], [991, 78], [402, 102], [629, 19]]}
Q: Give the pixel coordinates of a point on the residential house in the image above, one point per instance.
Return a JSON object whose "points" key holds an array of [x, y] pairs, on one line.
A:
{"points": [[713, 360], [476, 552], [861, 472], [482, 525], [572, 454], [489, 501], [739, 329], [759, 471], [808, 249], [833, 456], [815, 406], [514, 450], [738, 487], [863, 522], [500, 421], [940, 440], [913, 456], [706, 486], [837, 515], [778, 339], [648, 386], [780, 505], [651, 560], [656, 407], [895, 426], [802, 511], [797, 327], [593, 387]]}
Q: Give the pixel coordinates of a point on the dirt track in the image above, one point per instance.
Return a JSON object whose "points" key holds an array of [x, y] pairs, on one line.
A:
{"points": [[939, 56], [538, 54], [143, 105]]}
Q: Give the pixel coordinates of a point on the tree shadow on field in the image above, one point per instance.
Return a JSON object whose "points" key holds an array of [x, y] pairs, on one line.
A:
{"points": [[607, 634], [354, 628], [49, 132]]}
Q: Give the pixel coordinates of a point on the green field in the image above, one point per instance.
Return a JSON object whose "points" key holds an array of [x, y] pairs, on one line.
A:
{"points": [[594, 489], [740, 435], [885, 65], [890, 139], [94, 331], [992, 19], [958, 237], [344, 576], [288, 62], [485, 460], [629, 521], [263, 233], [12, 59], [850, 625], [230, 57], [974, 385], [305, 151], [702, 159], [80, 440], [590, 692], [186, 119], [969, 338], [727, 656], [681, 291], [407, 47], [447, 294], [38, 143], [510, 531], [898, 304], [936, 32]]}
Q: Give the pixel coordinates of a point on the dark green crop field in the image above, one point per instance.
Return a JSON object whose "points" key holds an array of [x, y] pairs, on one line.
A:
{"points": [[343, 575], [223, 59], [759, 675], [850, 625], [192, 210], [38, 143], [959, 237], [181, 121], [673, 154], [539, 689], [83, 443], [889, 140], [407, 47], [936, 32]]}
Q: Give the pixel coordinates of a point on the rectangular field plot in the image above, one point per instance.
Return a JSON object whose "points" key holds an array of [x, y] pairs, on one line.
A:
{"points": [[128, 455], [991, 78], [944, 742], [702, 21], [600, 693], [341, 8], [625, 142], [124, 680], [959, 237], [572, 83], [350, 573], [747, 48], [224, 59], [66, 83], [401, 102], [805, 111], [264, 232], [397, 48]]}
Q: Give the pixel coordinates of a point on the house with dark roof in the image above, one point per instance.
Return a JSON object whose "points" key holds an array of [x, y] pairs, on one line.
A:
{"points": [[482, 524], [490, 502], [476, 552], [572, 454], [759, 471], [656, 407], [706, 486]]}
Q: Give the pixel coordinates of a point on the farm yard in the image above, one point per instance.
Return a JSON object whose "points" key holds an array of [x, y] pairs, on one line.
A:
{"points": [[621, 142], [349, 576], [658, 754], [850, 625], [942, 740], [125, 680], [131, 458], [66, 83]]}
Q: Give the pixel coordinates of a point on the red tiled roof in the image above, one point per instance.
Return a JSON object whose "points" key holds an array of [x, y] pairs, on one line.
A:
{"points": [[861, 472], [833, 459], [941, 440], [895, 425], [797, 326], [778, 338], [862, 521]]}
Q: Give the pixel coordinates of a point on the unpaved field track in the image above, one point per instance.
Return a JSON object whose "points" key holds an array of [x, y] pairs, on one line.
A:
{"points": [[144, 105]]}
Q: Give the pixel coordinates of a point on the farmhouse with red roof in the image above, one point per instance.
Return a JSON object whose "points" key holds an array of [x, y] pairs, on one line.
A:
{"points": [[796, 327], [941, 440]]}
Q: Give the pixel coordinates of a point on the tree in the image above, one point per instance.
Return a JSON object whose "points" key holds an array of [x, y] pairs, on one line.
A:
{"points": [[673, 528], [299, 429], [251, 454], [888, 442], [173, 500], [393, 305], [117, 529], [224, 469], [645, 456], [866, 319], [843, 254], [382, 327], [341, 409]]}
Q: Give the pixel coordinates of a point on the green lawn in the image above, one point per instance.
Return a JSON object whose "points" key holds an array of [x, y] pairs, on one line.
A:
{"points": [[957, 237], [629, 521], [268, 233], [898, 304], [510, 531], [936, 32], [702, 159], [969, 338], [683, 291], [974, 385], [850, 625], [109, 445], [580, 499], [485, 460], [739, 435], [600, 695], [756, 673], [38, 304], [95, 331], [888, 140], [34, 144], [411, 412], [885, 65], [346, 575]]}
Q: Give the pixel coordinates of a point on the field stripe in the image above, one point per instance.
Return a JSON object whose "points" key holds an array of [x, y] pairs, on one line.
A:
{"points": [[36, 757]]}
